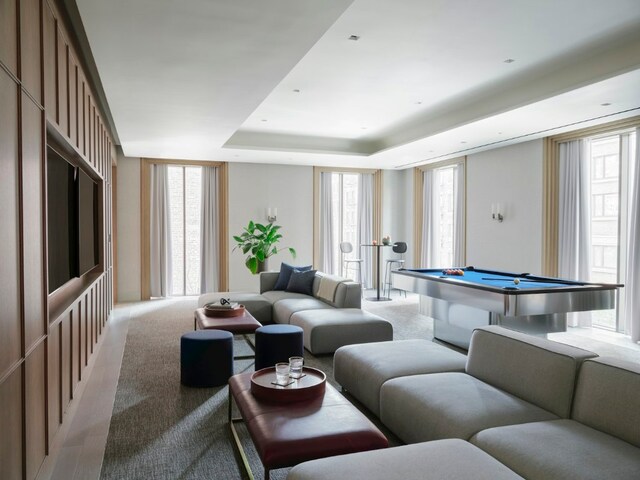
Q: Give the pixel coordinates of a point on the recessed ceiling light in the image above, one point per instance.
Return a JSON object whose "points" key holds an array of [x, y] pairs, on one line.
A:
{"points": [[431, 151], [296, 90], [264, 119], [236, 156], [355, 38], [499, 133], [463, 142], [605, 104], [418, 103], [509, 60], [363, 128]]}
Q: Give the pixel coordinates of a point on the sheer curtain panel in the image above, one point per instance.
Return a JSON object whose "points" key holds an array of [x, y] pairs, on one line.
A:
{"points": [[365, 227], [574, 234], [160, 233], [209, 231], [632, 280], [327, 249]]}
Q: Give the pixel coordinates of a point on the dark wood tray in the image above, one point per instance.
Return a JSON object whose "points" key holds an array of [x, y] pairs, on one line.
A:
{"points": [[222, 313], [310, 386]]}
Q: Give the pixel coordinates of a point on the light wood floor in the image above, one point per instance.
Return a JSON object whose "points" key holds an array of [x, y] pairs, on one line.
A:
{"points": [[80, 446]]}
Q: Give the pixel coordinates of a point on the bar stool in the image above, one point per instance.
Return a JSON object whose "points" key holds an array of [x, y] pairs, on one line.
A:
{"points": [[401, 248], [345, 248]]}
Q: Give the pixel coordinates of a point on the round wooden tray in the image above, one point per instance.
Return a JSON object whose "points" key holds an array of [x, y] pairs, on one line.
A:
{"points": [[221, 313], [311, 385]]}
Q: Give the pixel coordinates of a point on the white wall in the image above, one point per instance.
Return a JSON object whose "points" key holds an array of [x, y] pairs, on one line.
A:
{"points": [[253, 188], [512, 176], [128, 211], [397, 208]]}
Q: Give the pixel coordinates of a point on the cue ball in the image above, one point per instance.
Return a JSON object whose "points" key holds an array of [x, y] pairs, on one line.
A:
{"points": [[516, 281]]}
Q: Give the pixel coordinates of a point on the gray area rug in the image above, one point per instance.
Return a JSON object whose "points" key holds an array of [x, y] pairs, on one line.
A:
{"points": [[162, 430]]}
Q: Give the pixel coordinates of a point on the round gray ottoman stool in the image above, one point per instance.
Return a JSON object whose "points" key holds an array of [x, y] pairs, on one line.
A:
{"points": [[276, 343], [206, 358]]}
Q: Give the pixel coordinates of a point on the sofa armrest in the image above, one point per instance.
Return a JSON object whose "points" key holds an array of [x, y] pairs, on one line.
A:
{"points": [[348, 295], [268, 281]]}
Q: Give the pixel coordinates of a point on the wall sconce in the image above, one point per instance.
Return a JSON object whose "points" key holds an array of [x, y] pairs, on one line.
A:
{"points": [[272, 214], [497, 211]]}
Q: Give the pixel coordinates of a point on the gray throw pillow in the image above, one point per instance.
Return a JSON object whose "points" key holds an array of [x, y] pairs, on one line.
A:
{"points": [[285, 275], [301, 282]]}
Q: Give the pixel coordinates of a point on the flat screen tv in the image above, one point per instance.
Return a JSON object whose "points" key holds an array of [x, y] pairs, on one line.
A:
{"points": [[72, 221], [62, 223], [87, 223]]}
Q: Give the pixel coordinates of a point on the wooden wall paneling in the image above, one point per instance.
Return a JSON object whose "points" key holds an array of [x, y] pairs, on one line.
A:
{"points": [[73, 99], [10, 324], [87, 122], [54, 404], [92, 318], [65, 359], [94, 135], [82, 139], [84, 334], [30, 48], [35, 399], [75, 347], [49, 42], [11, 413], [63, 83], [9, 35], [35, 323]]}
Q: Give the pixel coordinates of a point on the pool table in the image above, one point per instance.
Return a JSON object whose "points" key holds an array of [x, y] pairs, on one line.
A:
{"points": [[520, 301]]}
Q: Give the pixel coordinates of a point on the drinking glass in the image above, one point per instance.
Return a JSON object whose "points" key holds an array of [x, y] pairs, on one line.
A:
{"points": [[295, 366], [282, 373]]}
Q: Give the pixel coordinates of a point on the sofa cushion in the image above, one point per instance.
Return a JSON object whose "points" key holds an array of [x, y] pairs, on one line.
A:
{"points": [[608, 398], [301, 282], [504, 358], [274, 296], [283, 309], [561, 450], [325, 330], [445, 459], [285, 274], [362, 369], [450, 405]]}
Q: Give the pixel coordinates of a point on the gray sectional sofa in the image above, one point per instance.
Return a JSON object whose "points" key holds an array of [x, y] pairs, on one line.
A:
{"points": [[327, 323], [540, 409]]}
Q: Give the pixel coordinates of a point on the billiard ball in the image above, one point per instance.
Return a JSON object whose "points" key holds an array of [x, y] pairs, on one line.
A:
{"points": [[516, 281]]}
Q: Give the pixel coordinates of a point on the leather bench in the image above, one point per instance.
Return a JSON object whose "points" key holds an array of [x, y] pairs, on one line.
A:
{"points": [[289, 433]]}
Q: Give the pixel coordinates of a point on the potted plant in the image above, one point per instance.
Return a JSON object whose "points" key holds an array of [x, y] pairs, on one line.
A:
{"points": [[258, 241]]}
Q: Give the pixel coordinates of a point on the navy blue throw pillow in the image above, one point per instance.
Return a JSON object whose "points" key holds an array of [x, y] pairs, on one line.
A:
{"points": [[301, 282], [285, 274]]}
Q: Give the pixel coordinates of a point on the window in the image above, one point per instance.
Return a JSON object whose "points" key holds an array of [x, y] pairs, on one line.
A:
{"points": [[609, 158], [185, 190], [445, 221], [440, 212], [344, 189]]}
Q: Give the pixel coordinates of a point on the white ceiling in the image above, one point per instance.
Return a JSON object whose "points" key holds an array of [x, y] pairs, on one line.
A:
{"points": [[280, 81]]}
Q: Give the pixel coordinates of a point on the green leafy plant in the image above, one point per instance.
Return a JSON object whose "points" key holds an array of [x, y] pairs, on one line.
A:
{"points": [[259, 242]]}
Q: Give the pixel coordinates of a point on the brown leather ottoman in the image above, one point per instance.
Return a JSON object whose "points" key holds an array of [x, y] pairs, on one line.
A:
{"points": [[290, 433], [240, 325]]}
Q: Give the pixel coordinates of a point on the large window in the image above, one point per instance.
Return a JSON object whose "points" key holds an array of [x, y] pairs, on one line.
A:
{"points": [[344, 188], [185, 190], [445, 219], [610, 157]]}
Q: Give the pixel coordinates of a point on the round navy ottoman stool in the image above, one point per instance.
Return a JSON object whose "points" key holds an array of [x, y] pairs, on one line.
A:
{"points": [[276, 343], [206, 358]]}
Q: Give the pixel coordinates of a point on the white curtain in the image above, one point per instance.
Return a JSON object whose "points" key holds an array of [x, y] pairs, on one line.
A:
{"points": [[458, 216], [429, 247], [365, 226], [327, 248], [632, 280], [574, 245], [160, 233], [209, 231]]}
